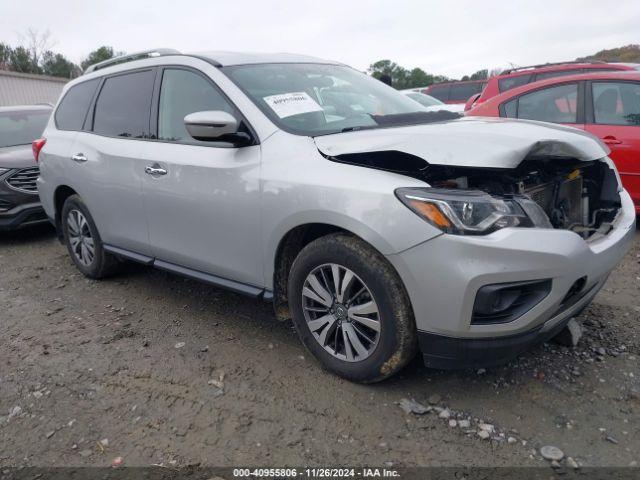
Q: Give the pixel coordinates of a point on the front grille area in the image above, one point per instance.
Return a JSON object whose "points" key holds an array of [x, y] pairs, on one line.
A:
{"points": [[24, 180]]}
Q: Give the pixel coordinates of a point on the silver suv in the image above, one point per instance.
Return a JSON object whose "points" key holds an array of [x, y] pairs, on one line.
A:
{"points": [[377, 226]]}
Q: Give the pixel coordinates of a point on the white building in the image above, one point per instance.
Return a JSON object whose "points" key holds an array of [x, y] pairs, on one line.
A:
{"points": [[27, 89]]}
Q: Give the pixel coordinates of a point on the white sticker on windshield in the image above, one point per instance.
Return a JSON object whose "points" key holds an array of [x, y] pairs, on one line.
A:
{"points": [[289, 104]]}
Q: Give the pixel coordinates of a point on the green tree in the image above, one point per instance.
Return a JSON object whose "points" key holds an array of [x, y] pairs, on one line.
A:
{"points": [[98, 55], [56, 65], [628, 53], [401, 77], [5, 56], [480, 75], [21, 60]]}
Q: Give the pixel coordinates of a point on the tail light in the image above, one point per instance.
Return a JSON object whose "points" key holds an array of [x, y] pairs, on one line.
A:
{"points": [[36, 146]]}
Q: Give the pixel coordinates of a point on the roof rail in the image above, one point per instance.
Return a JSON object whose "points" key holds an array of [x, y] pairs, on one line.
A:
{"points": [[519, 69], [156, 52]]}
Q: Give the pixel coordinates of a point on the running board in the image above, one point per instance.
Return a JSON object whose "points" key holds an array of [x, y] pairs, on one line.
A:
{"points": [[232, 285], [238, 287]]}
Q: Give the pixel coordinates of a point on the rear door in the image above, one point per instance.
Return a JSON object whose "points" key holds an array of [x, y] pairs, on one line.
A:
{"points": [[107, 158], [613, 114], [203, 198], [555, 104]]}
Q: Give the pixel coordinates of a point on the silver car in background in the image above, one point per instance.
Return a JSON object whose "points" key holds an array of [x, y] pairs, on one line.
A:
{"points": [[380, 228]]}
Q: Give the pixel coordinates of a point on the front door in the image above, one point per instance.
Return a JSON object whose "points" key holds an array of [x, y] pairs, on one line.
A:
{"points": [[202, 198]]}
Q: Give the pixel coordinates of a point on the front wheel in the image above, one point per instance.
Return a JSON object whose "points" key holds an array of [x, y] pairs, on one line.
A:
{"points": [[350, 309]]}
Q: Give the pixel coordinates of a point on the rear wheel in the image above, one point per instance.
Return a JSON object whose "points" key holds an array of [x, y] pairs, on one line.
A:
{"points": [[350, 309], [83, 240]]}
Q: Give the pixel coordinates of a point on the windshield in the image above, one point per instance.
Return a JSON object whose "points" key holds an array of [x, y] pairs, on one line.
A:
{"points": [[426, 100], [316, 99], [22, 127]]}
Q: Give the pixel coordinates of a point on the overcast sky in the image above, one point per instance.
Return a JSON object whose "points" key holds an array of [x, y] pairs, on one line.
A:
{"points": [[453, 38]]}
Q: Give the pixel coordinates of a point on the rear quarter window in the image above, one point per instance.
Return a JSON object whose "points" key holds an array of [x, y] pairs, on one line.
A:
{"points": [[73, 108]]}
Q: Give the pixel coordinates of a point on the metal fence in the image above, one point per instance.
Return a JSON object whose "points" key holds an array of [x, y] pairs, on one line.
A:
{"points": [[26, 89]]}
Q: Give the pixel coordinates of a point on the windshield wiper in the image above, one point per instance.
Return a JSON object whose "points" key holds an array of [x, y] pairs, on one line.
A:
{"points": [[356, 128]]}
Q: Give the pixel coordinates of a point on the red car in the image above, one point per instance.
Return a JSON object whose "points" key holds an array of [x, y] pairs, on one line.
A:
{"points": [[517, 77], [454, 92], [605, 104]]}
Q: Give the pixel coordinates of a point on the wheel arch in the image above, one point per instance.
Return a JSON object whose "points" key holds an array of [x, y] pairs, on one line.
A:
{"points": [[60, 195], [293, 240]]}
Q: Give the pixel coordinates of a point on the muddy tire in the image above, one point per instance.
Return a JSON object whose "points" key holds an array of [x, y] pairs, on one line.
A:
{"points": [[350, 309], [83, 241]]}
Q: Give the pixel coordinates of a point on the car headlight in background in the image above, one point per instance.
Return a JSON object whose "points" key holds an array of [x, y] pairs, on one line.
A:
{"points": [[465, 212]]}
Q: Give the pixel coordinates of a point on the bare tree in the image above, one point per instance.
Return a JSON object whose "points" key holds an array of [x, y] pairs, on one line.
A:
{"points": [[37, 43]]}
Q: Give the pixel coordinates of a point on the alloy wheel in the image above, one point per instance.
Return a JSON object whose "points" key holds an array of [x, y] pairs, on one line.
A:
{"points": [[341, 312], [80, 238]]}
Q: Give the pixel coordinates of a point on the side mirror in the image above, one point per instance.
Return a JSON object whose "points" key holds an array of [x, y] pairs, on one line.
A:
{"points": [[210, 125]]}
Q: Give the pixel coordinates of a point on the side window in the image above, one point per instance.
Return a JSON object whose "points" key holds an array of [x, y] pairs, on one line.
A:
{"points": [[73, 108], [616, 103], [184, 92], [508, 83], [441, 93], [557, 73], [511, 109], [463, 91], [124, 104], [555, 104]]}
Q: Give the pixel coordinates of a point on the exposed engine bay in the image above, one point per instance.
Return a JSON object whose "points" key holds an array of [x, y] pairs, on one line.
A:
{"points": [[580, 196]]}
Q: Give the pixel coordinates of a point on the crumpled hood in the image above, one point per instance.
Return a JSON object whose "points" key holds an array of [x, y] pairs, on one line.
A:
{"points": [[19, 156], [470, 142]]}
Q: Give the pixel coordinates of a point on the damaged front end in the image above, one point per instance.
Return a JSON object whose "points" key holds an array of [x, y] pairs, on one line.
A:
{"points": [[550, 192], [543, 191]]}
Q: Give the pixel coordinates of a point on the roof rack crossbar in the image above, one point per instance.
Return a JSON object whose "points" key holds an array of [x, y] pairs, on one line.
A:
{"points": [[518, 69], [156, 52]]}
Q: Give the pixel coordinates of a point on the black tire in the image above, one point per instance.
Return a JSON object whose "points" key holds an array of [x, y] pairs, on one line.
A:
{"points": [[102, 263], [397, 340]]}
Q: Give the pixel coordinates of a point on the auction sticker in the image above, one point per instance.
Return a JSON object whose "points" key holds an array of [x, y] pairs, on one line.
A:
{"points": [[290, 104]]}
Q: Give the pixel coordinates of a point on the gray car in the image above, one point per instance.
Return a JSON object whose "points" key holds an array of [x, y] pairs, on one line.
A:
{"points": [[380, 228], [19, 202]]}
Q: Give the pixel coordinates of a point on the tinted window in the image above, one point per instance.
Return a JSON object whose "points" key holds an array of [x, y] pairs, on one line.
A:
{"points": [[73, 108], [508, 83], [554, 104], [511, 109], [122, 108], [557, 73], [22, 127], [441, 93], [616, 103], [182, 93], [463, 91]]}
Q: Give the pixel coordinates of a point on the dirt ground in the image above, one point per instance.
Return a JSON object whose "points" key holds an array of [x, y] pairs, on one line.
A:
{"points": [[157, 369]]}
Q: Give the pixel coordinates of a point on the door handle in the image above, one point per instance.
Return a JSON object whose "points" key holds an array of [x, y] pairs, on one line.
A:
{"points": [[154, 170], [611, 140], [79, 158]]}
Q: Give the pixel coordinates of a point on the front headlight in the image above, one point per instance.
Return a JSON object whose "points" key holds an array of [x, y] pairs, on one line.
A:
{"points": [[465, 212]]}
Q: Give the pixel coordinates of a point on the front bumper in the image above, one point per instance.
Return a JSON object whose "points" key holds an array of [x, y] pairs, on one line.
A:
{"points": [[22, 216], [443, 275]]}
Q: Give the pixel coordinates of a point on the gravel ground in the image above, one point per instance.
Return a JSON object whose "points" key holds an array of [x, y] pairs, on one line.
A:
{"points": [[157, 369]]}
